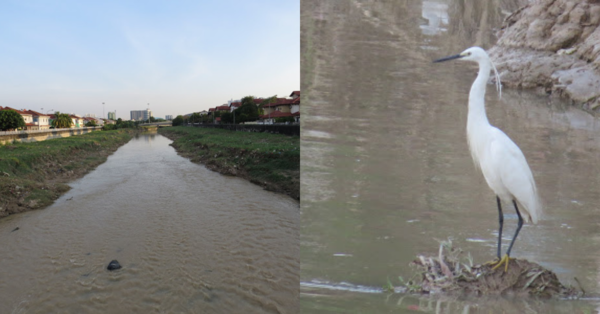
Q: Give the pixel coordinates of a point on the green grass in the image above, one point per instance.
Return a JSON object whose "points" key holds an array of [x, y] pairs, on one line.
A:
{"points": [[32, 175], [270, 160]]}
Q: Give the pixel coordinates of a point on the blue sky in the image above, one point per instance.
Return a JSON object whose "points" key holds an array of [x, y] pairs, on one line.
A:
{"points": [[178, 56]]}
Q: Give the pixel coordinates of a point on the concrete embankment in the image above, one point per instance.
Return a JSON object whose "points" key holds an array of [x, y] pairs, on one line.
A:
{"points": [[42, 135], [271, 161], [553, 46], [33, 175]]}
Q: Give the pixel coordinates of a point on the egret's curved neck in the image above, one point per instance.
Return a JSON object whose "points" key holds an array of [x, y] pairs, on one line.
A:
{"points": [[477, 95]]}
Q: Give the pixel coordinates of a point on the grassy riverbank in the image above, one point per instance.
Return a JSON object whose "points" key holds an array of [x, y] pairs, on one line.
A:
{"points": [[269, 160], [33, 175]]}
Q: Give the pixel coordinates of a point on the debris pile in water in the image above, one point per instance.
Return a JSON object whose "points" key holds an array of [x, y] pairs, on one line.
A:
{"points": [[446, 274]]}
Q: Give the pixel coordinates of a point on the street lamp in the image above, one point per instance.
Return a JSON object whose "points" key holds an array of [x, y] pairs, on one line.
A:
{"points": [[102, 110]]}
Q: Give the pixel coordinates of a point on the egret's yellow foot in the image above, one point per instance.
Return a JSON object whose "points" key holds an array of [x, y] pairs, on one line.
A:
{"points": [[504, 260]]}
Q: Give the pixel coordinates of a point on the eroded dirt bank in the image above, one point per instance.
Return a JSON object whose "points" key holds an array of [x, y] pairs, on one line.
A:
{"points": [[553, 46], [33, 175]]}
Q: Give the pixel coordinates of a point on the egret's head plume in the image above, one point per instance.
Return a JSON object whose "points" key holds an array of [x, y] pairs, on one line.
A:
{"points": [[477, 54]]}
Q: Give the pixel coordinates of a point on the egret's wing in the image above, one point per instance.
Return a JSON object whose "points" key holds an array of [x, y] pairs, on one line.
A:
{"points": [[514, 173]]}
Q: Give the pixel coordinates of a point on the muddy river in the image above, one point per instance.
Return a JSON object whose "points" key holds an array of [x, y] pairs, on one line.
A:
{"points": [[190, 241], [386, 171]]}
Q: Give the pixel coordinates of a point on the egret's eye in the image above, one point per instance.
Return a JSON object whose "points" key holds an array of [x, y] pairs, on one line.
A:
{"points": [[468, 53]]}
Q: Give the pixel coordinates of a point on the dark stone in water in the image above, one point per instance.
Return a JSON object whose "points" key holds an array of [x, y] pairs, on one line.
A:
{"points": [[15, 229], [113, 265]]}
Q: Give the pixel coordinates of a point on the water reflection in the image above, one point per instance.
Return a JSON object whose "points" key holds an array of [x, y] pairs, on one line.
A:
{"points": [[385, 163]]}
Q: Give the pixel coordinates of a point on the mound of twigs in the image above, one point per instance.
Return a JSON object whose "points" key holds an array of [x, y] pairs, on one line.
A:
{"points": [[446, 274]]}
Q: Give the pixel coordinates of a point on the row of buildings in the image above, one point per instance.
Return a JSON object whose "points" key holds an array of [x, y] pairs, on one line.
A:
{"points": [[280, 108], [40, 121]]}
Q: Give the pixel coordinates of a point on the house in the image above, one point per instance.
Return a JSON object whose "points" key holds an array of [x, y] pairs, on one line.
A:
{"points": [[295, 105], [78, 121], [280, 104], [27, 117], [41, 120], [234, 105], [98, 122], [223, 108]]}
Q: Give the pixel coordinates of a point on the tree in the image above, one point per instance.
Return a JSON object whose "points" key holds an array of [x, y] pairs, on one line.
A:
{"points": [[119, 121], [226, 117], [248, 111], [10, 119], [178, 120], [195, 117], [91, 123], [152, 119], [61, 120]]}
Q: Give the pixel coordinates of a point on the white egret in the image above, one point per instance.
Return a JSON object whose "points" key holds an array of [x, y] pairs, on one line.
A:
{"points": [[501, 161]]}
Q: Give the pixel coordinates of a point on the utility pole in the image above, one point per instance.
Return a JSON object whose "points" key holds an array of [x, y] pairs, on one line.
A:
{"points": [[103, 110]]}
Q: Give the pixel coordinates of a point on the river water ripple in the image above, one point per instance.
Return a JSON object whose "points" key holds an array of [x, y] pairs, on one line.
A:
{"points": [[190, 241]]}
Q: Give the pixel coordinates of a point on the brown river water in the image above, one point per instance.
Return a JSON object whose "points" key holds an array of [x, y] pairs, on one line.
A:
{"points": [[386, 170], [190, 241]]}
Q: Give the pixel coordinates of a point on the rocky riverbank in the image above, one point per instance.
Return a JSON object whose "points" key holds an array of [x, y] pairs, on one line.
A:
{"points": [[33, 175], [553, 46], [271, 161]]}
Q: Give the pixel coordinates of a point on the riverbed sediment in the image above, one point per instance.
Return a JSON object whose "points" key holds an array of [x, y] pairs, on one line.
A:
{"points": [[33, 175], [551, 46], [271, 161]]}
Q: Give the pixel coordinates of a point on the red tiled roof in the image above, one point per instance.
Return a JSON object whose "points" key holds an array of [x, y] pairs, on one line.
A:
{"points": [[35, 113], [296, 114], [17, 110], [279, 102], [30, 124], [296, 92], [211, 109], [225, 107], [296, 101]]}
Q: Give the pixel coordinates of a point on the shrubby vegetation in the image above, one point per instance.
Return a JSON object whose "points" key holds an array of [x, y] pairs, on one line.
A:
{"points": [[10, 119], [121, 125], [178, 120]]}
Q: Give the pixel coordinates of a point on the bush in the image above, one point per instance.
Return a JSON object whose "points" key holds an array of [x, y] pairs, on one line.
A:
{"points": [[10, 119], [178, 121]]}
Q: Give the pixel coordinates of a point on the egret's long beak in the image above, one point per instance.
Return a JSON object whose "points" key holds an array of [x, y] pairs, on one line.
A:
{"points": [[448, 58]]}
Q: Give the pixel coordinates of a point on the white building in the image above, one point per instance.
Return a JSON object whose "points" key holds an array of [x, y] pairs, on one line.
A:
{"points": [[141, 115]]}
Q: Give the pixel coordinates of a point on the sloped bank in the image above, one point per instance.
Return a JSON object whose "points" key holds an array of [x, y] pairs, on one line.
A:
{"points": [[271, 161], [33, 175], [552, 46]]}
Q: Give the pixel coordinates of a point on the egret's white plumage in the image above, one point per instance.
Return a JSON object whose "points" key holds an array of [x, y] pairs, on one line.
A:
{"points": [[501, 161], [503, 164]]}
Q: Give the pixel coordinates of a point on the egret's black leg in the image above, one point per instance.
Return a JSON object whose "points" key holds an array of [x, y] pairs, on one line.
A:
{"points": [[500, 223], [518, 228]]}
